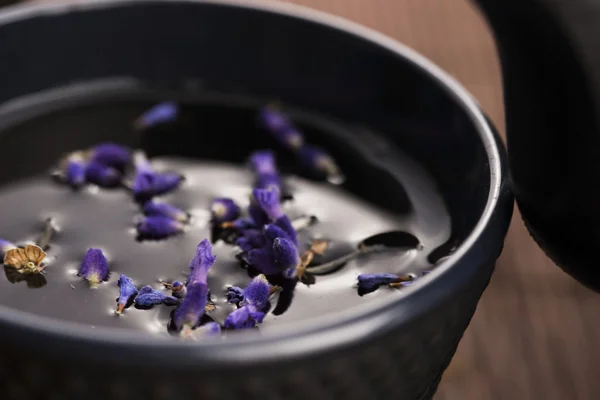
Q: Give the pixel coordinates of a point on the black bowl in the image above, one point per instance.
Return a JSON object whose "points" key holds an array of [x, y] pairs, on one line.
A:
{"points": [[397, 347]]}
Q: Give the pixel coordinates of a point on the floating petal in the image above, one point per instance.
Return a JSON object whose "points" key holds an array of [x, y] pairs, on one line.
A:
{"points": [[263, 162], [160, 113], [286, 253], [268, 201], [94, 267], [318, 160], [102, 175], [28, 259], [201, 263], [224, 210], [111, 154], [156, 228], [127, 291], [234, 295], [257, 294], [153, 208], [368, 283], [74, 170], [240, 319], [190, 311], [148, 297], [263, 260]]}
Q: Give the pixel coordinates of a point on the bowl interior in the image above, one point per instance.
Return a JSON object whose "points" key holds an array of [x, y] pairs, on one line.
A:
{"points": [[367, 104]]}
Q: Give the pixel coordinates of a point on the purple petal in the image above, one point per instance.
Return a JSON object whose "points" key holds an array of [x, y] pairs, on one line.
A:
{"points": [[112, 155], [157, 228], [160, 113], [263, 260], [75, 171], [368, 283], [165, 182], [257, 316], [256, 293], [190, 311], [102, 175], [148, 297], [268, 200], [256, 214], [286, 253], [280, 127], [318, 160], [263, 162], [239, 319], [127, 290], [250, 239], [152, 208], [5, 246], [268, 181], [273, 232], [94, 267], [224, 210], [201, 263], [234, 295], [147, 183], [285, 225]]}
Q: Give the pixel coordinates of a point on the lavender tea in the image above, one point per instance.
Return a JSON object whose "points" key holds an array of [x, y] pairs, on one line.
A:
{"points": [[198, 217]]}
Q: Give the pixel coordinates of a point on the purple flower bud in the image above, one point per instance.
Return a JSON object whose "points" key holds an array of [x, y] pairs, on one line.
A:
{"points": [[160, 113], [201, 263], [263, 260], [268, 201], [156, 228], [368, 283], [256, 214], [268, 182], [281, 128], [256, 294], [318, 160], [224, 210], [239, 319], [243, 223], [75, 170], [272, 232], [235, 294], [102, 175], [209, 329], [190, 311], [5, 246], [94, 267], [263, 162], [286, 226], [286, 253], [147, 183], [127, 290], [148, 297], [250, 239], [111, 154], [152, 208]]}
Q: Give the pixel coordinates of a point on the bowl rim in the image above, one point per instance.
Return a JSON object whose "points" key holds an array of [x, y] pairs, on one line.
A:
{"points": [[291, 340]]}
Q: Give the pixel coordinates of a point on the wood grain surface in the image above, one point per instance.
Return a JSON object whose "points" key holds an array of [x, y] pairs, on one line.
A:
{"points": [[536, 333]]}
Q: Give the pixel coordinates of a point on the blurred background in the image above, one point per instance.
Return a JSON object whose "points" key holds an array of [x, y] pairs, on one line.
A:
{"points": [[536, 332]]}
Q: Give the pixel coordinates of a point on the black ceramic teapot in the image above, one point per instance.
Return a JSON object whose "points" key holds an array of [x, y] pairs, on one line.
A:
{"points": [[381, 94]]}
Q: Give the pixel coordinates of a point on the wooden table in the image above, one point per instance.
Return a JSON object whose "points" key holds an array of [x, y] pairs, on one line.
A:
{"points": [[536, 333]]}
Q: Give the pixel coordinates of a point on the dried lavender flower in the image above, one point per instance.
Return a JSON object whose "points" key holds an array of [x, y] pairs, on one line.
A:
{"points": [[153, 208], [263, 162], [94, 267], [5, 246], [27, 260], [286, 226], [318, 160], [102, 175], [234, 294], [268, 201], [250, 239], [254, 306], [160, 113], [224, 209], [281, 128], [127, 291], [157, 228], [111, 154], [263, 260], [148, 183], [149, 297], [201, 263], [191, 310], [368, 283], [285, 253], [74, 169]]}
